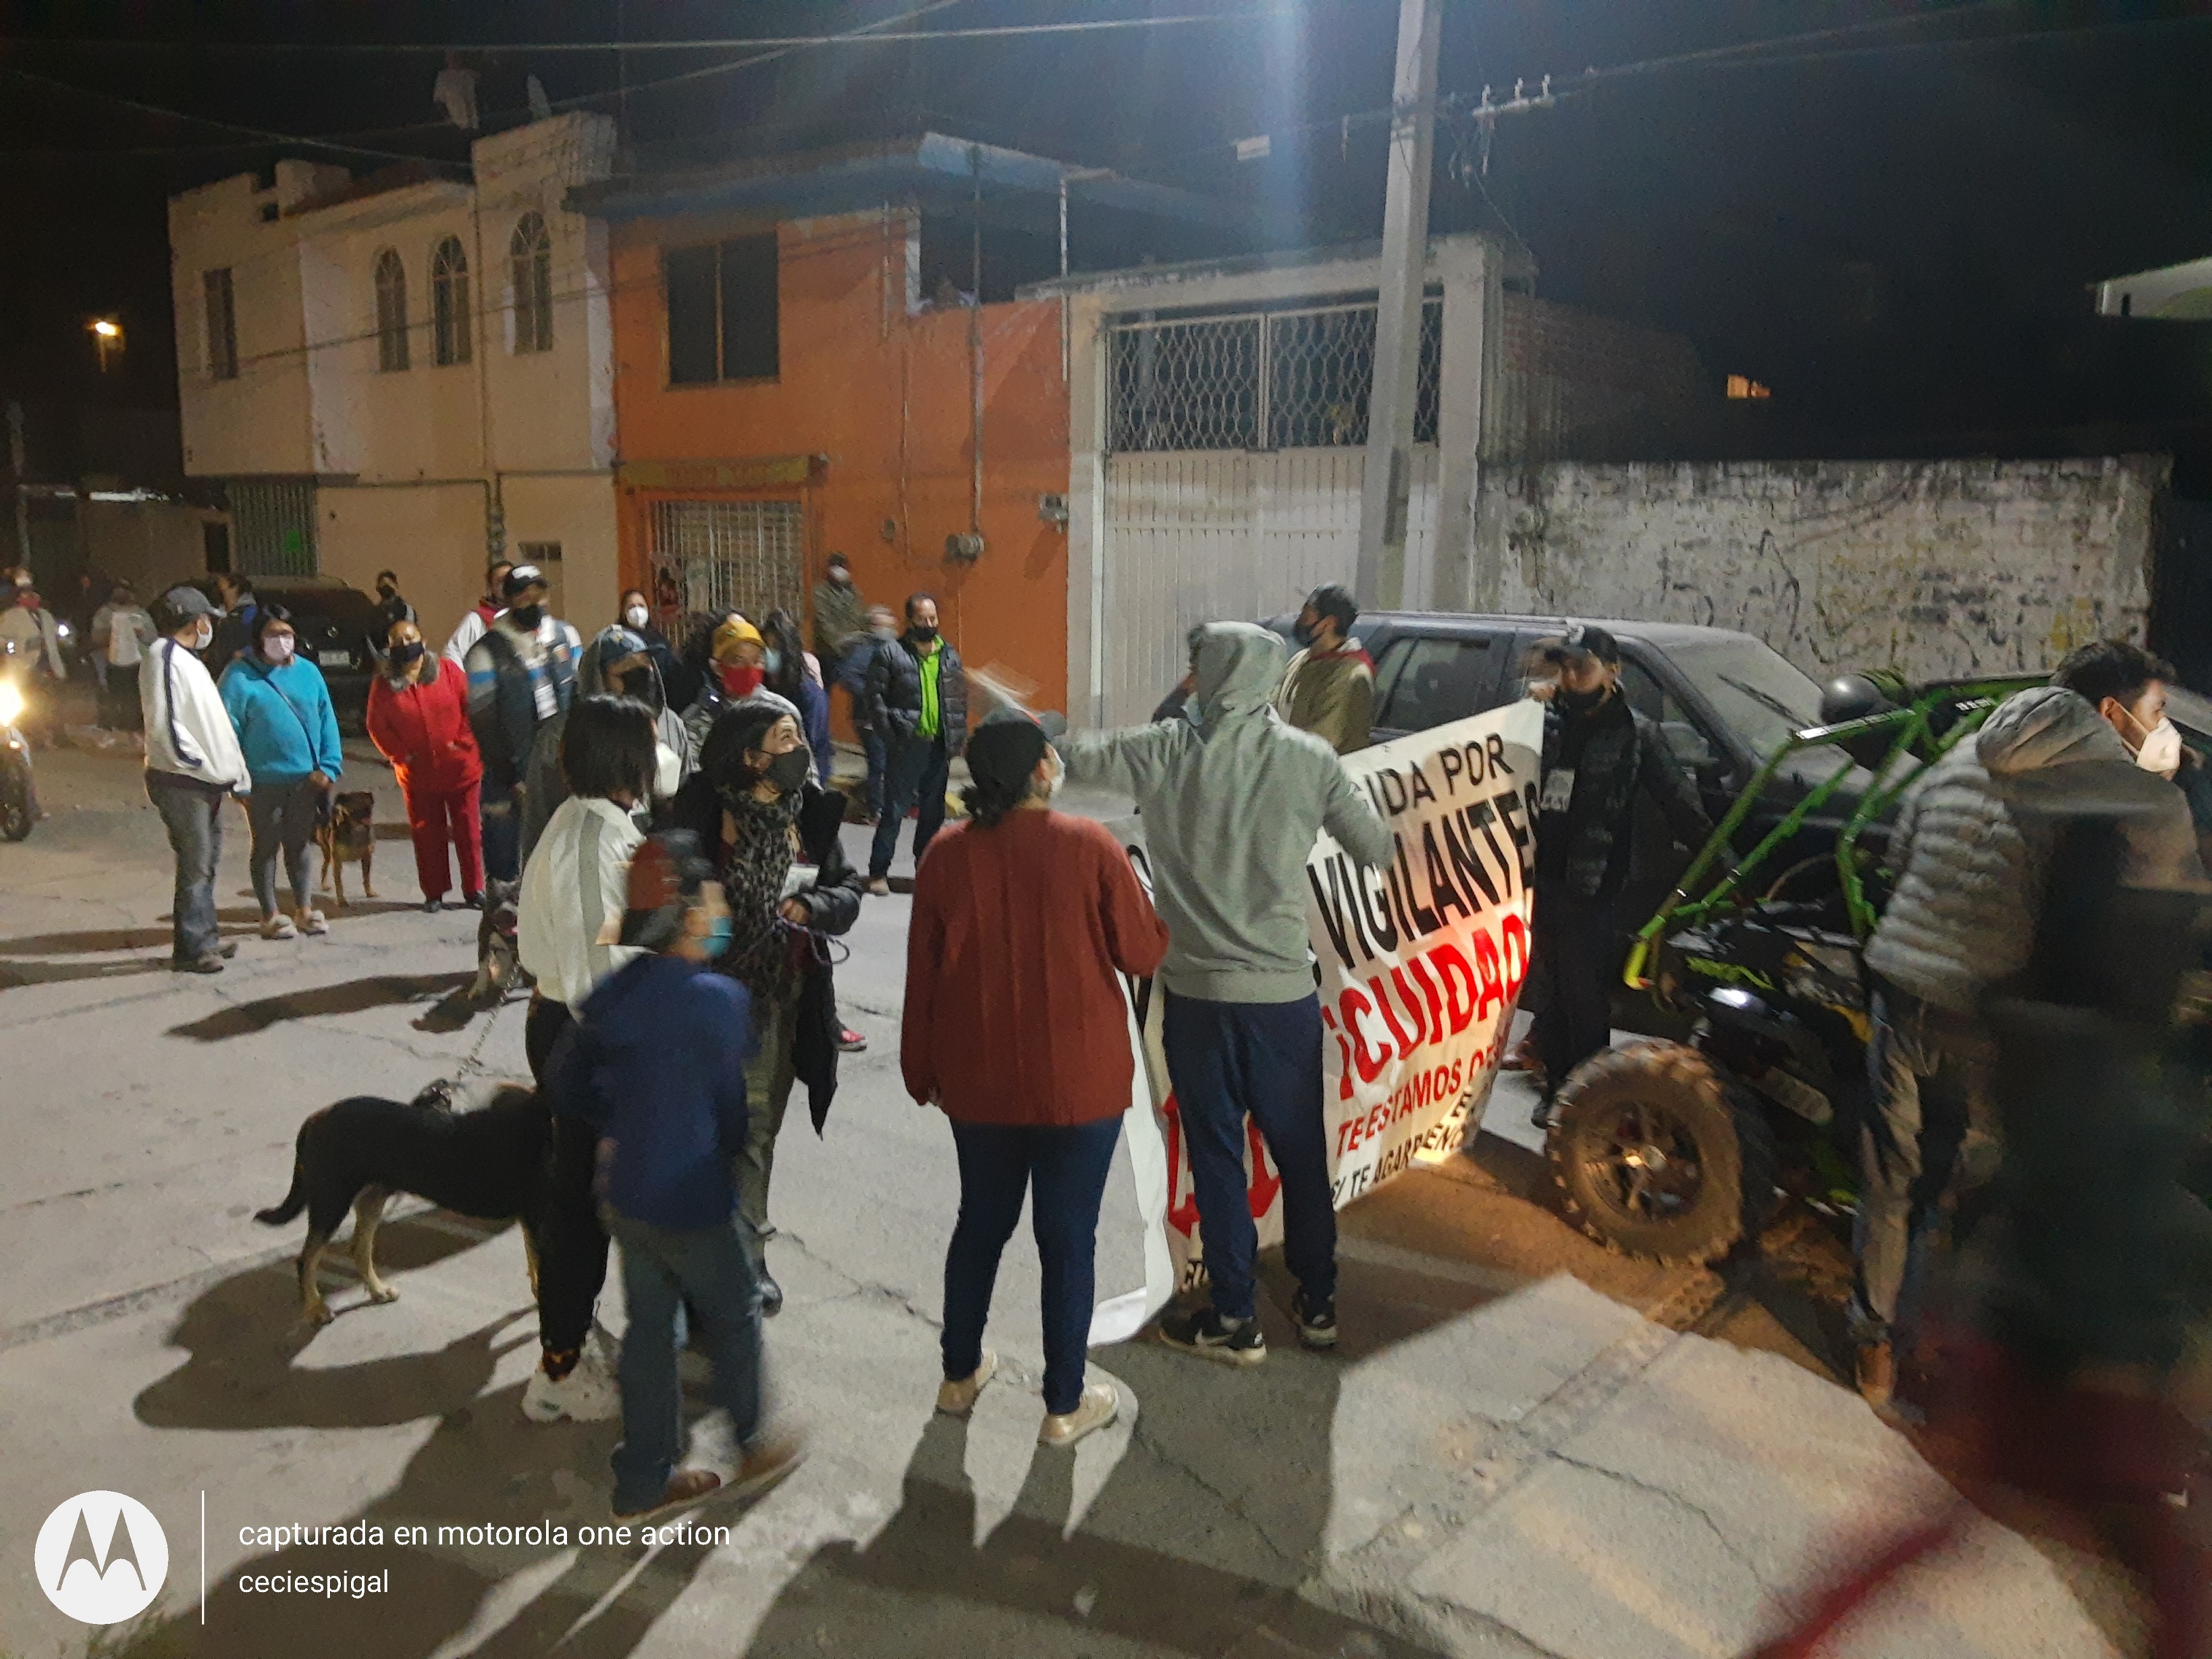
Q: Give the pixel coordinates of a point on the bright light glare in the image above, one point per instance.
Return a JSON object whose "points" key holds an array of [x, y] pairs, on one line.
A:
{"points": [[11, 703], [107, 331]]}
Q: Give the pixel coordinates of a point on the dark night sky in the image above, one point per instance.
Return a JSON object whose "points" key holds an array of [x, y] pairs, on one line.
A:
{"points": [[1892, 237]]}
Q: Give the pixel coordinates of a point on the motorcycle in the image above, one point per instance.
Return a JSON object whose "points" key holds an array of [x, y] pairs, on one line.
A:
{"points": [[19, 799]]}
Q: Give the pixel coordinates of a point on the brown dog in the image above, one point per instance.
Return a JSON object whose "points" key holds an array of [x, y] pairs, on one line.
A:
{"points": [[348, 835]]}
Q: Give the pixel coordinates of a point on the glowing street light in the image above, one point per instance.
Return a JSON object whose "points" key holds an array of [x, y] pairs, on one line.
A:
{"points": [[107, 339]]}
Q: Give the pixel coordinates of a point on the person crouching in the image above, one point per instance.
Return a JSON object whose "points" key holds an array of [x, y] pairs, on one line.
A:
{"points": [[655, 1067]]}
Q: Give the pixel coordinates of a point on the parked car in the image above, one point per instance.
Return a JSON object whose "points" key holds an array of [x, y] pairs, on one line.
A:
{"points": [[340, 631]]}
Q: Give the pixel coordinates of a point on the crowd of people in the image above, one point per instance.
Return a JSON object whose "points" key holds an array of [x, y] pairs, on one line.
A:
{"points": [[667, 812]]}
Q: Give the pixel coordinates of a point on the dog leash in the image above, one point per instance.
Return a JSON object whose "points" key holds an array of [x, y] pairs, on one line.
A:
{"points": [[471, 1063], [439, 1091]]}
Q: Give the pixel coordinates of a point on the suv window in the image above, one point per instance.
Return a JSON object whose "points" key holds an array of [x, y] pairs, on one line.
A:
{"points": [[1425, 682], [1649, 698]]}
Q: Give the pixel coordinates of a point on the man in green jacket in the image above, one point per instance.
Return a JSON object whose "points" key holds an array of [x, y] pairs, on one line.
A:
{"points": [[1233, 801], [1329, 690]]}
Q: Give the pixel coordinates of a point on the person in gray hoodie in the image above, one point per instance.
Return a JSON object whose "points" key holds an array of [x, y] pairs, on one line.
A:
{"points": [[1233, 801], [1969, 871], [618, 662]]}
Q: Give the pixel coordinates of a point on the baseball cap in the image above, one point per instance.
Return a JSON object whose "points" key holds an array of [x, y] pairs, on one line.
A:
{"points": [[522, 576], [1582, 639]]}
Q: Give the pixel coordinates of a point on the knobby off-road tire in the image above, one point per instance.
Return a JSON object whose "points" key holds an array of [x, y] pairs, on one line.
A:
{"points": [[1652, 1159]]}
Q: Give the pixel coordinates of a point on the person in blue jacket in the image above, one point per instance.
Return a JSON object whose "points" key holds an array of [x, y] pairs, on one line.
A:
{"points": [[290, 733], [655, 1067]]}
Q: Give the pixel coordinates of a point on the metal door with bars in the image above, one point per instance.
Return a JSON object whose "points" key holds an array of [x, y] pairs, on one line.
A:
{"points": [[733, 556]]}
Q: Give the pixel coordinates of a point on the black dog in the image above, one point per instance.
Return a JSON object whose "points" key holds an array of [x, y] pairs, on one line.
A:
{"points": [[490, 1163], [498, 968]]}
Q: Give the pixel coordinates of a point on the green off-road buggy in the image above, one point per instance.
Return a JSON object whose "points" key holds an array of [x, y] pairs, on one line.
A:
{"points": [[1674, 1150]]}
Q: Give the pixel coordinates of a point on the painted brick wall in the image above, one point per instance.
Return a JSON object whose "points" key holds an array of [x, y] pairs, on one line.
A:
{"points": [[1935, 567]]}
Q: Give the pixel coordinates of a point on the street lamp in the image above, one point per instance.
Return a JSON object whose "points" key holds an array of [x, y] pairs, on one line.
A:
{"points": [[107, 339]]}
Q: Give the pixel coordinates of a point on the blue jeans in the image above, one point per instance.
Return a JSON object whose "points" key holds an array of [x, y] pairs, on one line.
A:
{"points": [[709, 1270], [1228, 1060], [1064, 1170], [192, 811], [872, 745], [918, 771], [1930, 1127]]}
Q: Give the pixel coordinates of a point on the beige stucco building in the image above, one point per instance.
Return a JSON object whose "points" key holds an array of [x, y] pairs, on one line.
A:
{"points": [[406, 370]]}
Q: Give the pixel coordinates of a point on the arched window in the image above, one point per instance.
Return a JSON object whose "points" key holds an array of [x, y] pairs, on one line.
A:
{"points": [[451, 325], [530, 251], [391, 312]]}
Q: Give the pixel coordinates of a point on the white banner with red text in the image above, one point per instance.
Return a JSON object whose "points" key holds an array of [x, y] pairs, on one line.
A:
{"points": [[1421, 966]]}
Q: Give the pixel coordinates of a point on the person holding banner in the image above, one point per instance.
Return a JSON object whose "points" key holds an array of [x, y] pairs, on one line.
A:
{"points": [[1015, 1029], [1233, 799]]}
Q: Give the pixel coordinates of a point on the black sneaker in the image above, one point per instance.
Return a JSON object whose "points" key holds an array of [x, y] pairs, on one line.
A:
{"points": [[1204, 1332], [1316, 1321]]}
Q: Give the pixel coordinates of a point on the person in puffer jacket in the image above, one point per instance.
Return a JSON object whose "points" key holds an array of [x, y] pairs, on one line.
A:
{"points": [[1960, 925]]}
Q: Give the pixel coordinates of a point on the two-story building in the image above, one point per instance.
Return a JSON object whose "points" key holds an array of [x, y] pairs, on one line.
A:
{"points": [[406, 370]]}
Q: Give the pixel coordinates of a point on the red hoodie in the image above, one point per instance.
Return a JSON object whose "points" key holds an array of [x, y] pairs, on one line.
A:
{"points": [[423, 729]]}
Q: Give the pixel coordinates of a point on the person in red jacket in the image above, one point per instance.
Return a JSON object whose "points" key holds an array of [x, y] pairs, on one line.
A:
{"points": [[418, 719], [1016, 1029]]}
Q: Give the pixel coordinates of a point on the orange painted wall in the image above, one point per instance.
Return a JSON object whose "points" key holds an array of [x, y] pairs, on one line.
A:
{"points": [[885, 397]]}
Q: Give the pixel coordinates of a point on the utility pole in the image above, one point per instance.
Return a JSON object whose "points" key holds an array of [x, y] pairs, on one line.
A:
{"points": [[1380, 578], [16, 465]]}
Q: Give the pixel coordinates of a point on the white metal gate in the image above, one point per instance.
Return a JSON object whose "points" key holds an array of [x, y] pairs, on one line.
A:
{"points": [[733, 556], [1209, 535]]}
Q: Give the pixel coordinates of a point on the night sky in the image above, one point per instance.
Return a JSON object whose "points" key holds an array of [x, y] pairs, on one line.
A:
{"points": [[1897, 238]]}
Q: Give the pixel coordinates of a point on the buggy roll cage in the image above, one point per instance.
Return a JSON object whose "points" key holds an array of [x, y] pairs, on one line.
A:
{"points": [[1915, 745]]}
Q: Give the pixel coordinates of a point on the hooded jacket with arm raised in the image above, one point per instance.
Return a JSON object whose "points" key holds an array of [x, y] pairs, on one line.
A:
{"points": [[1233, 801], [1969, 875]]}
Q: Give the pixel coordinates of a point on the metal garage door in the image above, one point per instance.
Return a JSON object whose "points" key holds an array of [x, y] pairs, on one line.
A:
{"points": [[733, 556]]}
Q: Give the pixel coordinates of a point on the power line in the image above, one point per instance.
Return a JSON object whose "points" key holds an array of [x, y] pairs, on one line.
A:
{"points": [[748, 42]]}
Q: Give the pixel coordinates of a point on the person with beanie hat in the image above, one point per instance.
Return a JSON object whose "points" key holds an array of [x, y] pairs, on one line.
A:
{"points": [[654, 1073], [737, 663], [771, 834], [1015, 1029]]}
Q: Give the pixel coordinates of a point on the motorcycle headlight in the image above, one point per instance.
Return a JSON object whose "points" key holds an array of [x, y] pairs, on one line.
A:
{"points": [[11, 702]]}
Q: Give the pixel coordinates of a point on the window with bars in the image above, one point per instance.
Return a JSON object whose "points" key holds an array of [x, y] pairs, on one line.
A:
{"points": [[222, 325], [1292, 378], [530, 253], [723, 322], [733, 555], [391, 312], [451, 325]]}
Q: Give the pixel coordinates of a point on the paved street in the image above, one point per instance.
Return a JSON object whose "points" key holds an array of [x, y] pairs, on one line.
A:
{"points": [[1526, 1447]]}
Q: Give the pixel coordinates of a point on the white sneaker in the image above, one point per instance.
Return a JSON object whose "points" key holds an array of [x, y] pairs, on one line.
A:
{"points": [[586, 1395], [1100, 1405], [957, 1396]]}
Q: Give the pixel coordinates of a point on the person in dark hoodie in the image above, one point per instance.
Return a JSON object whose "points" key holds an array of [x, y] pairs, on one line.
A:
{"points": [[656, 1067], [1233, 798], [771, 833]]}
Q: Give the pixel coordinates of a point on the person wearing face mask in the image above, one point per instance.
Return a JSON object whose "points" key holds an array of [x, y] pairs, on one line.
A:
{"points": [[917, 701], [393, 609], [652, 1074], [788, 671], [1599, 755], [736, 665], [635, 615], [521, 674], [418, 719], [565, 916], [619, 663], [772, 834], [1968, 871], [193, 764], [1329, 689], [281, 709], [1015, 1028]]}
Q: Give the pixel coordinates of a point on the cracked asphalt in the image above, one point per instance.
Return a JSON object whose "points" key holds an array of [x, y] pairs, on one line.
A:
{"points": [[1524, 1447]]}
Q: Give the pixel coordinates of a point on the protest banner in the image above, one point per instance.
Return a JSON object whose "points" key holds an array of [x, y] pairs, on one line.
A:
{"points": [[1421, 966]]}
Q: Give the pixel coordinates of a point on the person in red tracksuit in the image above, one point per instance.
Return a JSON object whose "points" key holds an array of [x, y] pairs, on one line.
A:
{"points": [[418, 719]]}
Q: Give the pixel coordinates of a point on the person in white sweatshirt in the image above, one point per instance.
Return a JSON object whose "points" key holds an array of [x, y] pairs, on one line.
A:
{"points": [[575, 891], [193, 765]]}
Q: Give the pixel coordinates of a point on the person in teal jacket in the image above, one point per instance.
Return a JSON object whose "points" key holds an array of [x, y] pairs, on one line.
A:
{"points": [[289, 734]]}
